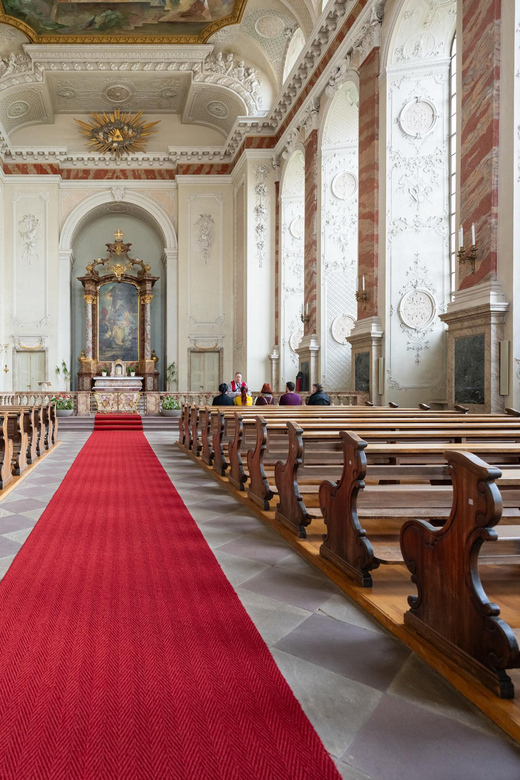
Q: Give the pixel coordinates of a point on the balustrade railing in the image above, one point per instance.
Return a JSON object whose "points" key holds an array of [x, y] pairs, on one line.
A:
{"points": [[146, 406]]}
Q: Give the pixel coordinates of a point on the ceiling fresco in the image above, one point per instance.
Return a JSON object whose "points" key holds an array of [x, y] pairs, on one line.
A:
{"points": [[122, 21]]}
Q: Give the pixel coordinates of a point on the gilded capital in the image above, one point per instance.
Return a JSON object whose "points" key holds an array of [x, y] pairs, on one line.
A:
{"points": [[146, 298], [89, 299]]}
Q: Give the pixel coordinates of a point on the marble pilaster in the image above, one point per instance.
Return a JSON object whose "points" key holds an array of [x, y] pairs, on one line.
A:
{"points": [[311, 230], [277, 266], [368, 224], [89, 300], [480, 103]]}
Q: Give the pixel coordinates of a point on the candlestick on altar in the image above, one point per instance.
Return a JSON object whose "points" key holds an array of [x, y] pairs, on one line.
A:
{"points": [[473, 237]]}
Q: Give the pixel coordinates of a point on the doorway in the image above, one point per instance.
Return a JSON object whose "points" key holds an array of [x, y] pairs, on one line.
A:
{"points": [[31, 369], [204, 370]]}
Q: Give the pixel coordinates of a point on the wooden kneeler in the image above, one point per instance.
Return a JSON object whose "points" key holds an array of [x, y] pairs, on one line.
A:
{"points": [[345, 544], [451, 609]]}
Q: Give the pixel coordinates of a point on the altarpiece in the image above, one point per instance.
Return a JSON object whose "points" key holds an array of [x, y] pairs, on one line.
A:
{"points": [[118, 326]]}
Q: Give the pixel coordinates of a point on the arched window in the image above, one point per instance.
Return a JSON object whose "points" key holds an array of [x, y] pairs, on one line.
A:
{"points": [[339, 232], [294, 48], [292, 229]]}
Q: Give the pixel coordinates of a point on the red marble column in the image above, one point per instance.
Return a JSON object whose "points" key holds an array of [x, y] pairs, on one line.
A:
{"points": [[311, 227], [368, 225], [480, 66], [277, 263]]}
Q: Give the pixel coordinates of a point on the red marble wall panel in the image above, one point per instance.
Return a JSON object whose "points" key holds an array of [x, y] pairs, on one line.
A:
{"points": [[311, 231], [53, 169], [480, 65], [368, 224], [277, 263], [203, 169]]}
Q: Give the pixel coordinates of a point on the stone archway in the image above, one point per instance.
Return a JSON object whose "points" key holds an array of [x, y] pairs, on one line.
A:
{"points": [[145, 210]]}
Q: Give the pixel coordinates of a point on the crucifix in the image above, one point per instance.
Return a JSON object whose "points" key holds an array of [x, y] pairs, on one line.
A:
{"points": [[118, 235]]}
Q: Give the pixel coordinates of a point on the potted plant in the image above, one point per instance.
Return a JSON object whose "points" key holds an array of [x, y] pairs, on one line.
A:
{"points": [[170, 406], [104, 369], [64, 404], [131, 369]]}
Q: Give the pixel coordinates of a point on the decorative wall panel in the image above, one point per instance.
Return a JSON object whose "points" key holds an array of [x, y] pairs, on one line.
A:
{"points": [[30, 260], [205, 218]]}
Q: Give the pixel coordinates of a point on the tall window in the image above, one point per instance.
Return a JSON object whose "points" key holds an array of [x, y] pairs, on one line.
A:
{"points": [[294, 48], [453, 168]]}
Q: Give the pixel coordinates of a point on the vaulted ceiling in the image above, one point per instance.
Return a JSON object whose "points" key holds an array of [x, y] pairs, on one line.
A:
{"points": [[197, 91]]}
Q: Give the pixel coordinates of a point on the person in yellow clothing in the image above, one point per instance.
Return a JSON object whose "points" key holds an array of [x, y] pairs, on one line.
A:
{"points": [[244, 399]]}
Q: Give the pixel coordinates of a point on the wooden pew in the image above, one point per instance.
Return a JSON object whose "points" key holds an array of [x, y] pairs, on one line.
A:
{"points": [[452, 610], [357, 551], [6, 452]]}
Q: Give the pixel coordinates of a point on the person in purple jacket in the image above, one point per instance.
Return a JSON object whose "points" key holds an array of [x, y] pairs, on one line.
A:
{"points": [[290, 398]]}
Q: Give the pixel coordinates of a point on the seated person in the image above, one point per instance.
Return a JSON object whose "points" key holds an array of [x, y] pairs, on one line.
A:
{"points": [[235, 385], [223, 399], [266, 396], [290, 398], [243, 399], [318, 397]]}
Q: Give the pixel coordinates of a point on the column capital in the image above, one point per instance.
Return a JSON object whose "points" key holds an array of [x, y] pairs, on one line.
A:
{"points": [[369, 36]]}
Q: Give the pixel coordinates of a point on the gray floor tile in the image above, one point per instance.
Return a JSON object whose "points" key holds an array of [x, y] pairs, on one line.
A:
{"points": [[336, 706], [217, 537], [420, 684], [292, 588], [5, 563], [370, 658], [348, 772], [8, 546], [239, 521], [19, 536], [35, 514], [341, 608], [22, 505], [272, 618], [15, 523], [238, 570], [402, 741], [258, 547], [296, 563]]}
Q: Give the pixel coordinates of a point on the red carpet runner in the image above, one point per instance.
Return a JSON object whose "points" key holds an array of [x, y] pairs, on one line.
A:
{"points": [[118, 422], [124, 651]]}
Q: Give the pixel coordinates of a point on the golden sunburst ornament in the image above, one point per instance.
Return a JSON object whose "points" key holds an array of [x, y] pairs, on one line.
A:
{"points": [[117, 133]]}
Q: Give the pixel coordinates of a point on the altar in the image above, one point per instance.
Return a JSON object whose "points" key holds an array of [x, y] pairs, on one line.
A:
{"points": [[118, 329]]}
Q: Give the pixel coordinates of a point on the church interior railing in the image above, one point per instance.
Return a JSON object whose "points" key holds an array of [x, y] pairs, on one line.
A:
{"points": [[37, 397]]}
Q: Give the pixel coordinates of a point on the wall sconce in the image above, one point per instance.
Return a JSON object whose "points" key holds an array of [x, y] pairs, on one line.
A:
{"points": [[361, 295], [471, 257], [305, 317], [5, 348]]}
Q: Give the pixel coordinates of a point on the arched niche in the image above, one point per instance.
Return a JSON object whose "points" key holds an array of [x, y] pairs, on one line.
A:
{"points": [[339, 233], [89, 244], [292, 230], [151, 221]]}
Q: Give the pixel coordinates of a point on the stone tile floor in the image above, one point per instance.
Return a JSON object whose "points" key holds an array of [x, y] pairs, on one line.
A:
{"points": [[381, 712]]}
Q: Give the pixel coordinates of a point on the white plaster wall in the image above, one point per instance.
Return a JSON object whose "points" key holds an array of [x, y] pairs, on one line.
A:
{"points": [[205, 280], [339, 232], [31, 299], [292, 228], [260, 270], [415, 191]]}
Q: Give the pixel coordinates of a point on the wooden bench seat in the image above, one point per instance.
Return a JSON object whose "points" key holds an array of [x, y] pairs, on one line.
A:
{"points": [[452, 610]]}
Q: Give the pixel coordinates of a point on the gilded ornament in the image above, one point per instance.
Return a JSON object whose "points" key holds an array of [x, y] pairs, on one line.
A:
{"points": [[117, 133], [89, 299], [146, 298]]}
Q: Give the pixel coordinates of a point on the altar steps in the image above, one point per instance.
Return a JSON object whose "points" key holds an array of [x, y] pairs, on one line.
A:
{"points": [[151, 423], [118, 422]]}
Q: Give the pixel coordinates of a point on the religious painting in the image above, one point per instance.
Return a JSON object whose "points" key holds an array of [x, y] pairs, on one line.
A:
{"points": [[118, 322], [120, 21]]}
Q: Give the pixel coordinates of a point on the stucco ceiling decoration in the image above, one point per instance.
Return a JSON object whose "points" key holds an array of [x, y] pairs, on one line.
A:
{"points": [[101, 21], [117, 133]]}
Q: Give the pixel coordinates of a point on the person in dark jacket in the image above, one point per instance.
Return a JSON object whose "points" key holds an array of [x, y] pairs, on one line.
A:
{"points": [[290, 398], [318, 397], [223, 399]]}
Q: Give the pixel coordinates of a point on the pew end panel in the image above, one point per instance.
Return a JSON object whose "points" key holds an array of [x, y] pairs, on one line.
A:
{"points": [[259, 489], [220, 464], [345, 543], [451, 609], [291, 510], [6, 452], [237, 475], [206, 418]]}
